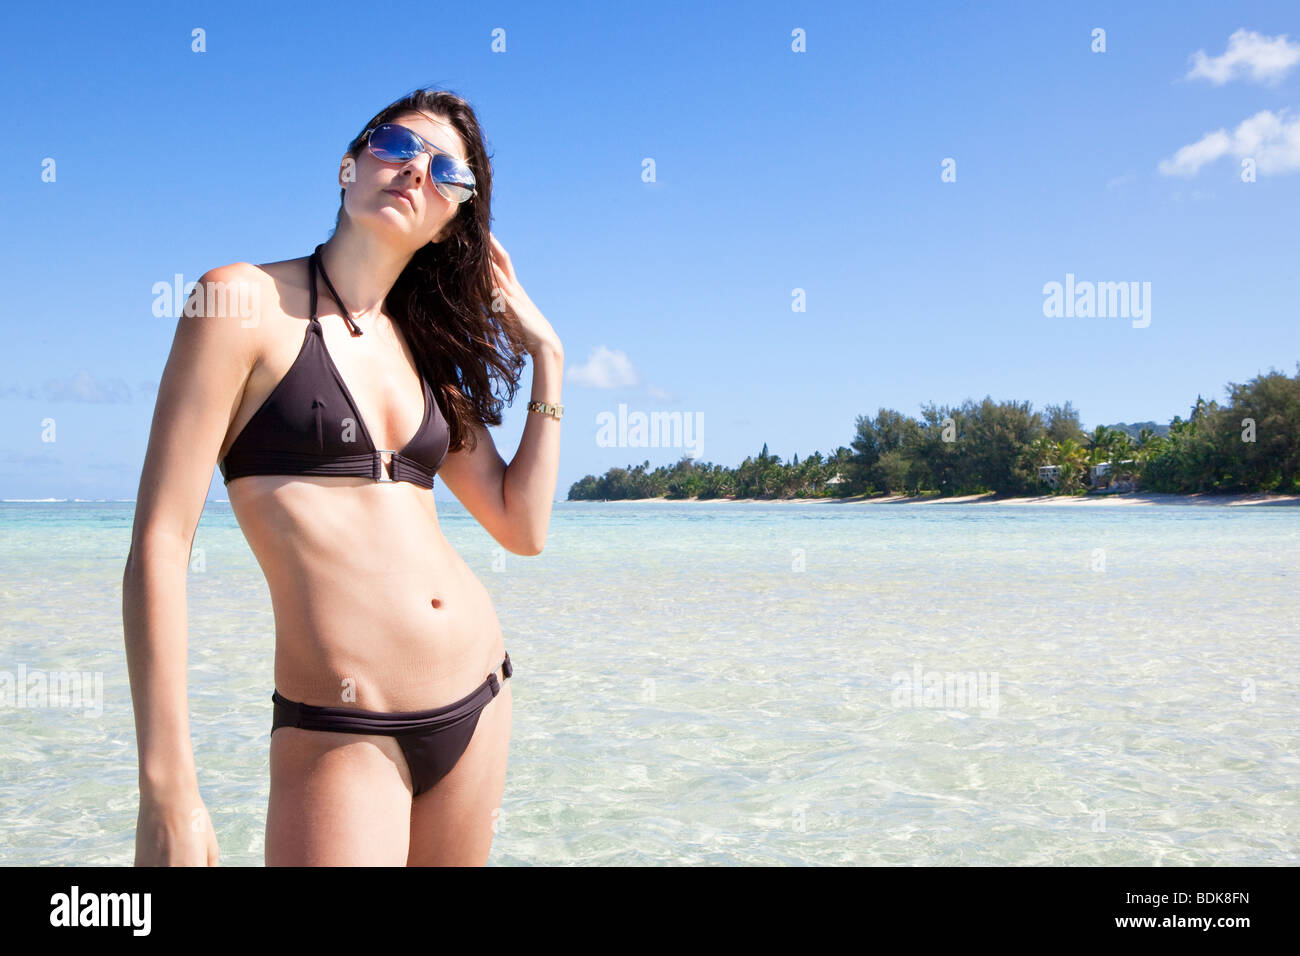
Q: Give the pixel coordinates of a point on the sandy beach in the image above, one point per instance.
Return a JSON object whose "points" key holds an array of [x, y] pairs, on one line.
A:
{"points": [[1103, 500]]}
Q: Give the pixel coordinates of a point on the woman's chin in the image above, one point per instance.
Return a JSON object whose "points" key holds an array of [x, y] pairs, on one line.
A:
{"points": [[390, 219]]}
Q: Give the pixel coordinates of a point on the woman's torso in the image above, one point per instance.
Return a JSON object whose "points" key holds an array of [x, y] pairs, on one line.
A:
{"points": [[372, 604]]}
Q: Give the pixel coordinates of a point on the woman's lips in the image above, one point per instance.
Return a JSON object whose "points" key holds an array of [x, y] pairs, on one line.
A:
{"points": [[399, 195]]}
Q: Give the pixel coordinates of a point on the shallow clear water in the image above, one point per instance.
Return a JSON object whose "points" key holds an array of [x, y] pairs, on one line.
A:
{"points": [[732, 683]]}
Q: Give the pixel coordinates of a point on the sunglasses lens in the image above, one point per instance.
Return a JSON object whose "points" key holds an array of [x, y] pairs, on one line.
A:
{"points": [[396, 144], [452, 177], [454, 191]]}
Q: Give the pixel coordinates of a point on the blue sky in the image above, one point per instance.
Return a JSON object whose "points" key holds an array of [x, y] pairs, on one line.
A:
{"points": [[775, 171]]}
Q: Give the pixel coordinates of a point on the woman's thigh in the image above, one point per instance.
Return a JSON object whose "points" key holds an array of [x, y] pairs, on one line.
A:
{"points": [[337, 800], [453, 823]]}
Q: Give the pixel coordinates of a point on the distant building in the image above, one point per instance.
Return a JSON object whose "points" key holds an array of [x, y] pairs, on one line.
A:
{"points": [[1050, 474], [1102, 470], [837, 480], [1100, 476]]}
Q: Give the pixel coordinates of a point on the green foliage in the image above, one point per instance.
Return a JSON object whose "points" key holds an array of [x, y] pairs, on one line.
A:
{"points": [[999, 446], [1062, 422], [1250, 444]]}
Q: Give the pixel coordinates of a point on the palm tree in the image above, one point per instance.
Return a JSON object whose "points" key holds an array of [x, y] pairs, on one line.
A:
{"points": [[1150, 445], [1111, 446], [1098, 444], [1072, 458], [1121, 455], [1042, 451]]}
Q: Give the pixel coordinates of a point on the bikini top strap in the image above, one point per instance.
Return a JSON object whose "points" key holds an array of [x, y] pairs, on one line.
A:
{"points": [[311, 279], [352, 325]]}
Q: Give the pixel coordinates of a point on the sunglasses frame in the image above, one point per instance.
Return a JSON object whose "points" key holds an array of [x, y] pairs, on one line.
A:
{"points": [[428, 147]]}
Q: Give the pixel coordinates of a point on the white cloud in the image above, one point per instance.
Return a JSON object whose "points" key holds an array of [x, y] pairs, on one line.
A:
{"points": [[1263, 59], [1271, 139], [79, 387], [1192, 157], [84, 387], [604, 368]]}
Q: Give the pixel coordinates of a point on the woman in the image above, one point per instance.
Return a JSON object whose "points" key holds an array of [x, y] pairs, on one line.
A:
{"points": [[362, 371]]}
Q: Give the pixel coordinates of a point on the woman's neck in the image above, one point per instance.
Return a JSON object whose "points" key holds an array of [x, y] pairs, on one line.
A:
{"points": [[362, 270]]}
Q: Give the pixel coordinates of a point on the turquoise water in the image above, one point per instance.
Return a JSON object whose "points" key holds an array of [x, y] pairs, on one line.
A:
{"points": [[738, 684]]}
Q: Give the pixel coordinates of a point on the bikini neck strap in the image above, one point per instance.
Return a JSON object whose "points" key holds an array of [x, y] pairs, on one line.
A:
{"points": [[317, 262]]}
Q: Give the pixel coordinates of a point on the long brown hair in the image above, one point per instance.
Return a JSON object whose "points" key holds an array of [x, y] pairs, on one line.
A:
{"points": [[442, 301]]}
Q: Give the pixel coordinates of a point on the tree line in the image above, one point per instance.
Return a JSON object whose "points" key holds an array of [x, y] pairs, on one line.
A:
{"points": [[1250, 443]]}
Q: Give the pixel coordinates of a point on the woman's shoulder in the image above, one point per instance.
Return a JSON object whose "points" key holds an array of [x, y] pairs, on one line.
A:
{"points": [[236, 289], [237, 272], [254, 291], [285, 272], [253, 298]]}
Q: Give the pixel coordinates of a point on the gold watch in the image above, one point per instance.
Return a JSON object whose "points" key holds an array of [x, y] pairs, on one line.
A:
{"points": [[546, 408]]}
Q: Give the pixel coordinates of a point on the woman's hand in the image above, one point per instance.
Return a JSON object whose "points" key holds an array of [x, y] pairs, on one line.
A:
{"points": [[174, 832], [538, 333]]}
